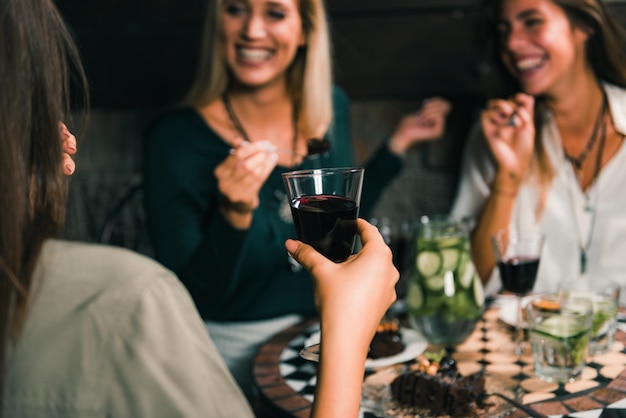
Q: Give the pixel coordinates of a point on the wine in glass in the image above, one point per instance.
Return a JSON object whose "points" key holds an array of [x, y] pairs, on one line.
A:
{"points": [[518, 261], [325, 206], [399, 235]]}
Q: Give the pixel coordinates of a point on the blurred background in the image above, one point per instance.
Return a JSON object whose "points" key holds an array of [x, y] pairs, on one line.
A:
{"points": [[140, 56]]}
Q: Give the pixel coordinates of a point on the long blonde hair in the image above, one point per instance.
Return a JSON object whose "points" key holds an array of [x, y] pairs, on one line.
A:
{"points": [[309, 77]]}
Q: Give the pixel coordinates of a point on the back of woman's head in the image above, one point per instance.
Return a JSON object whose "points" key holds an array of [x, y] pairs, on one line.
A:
{"points": [[606, 46], [35, 55], [309, 77]]}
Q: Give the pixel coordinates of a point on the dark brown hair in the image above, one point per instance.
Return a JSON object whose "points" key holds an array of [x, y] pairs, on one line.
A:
{"points": [[37, 59], [605, 52], [606, 46]]}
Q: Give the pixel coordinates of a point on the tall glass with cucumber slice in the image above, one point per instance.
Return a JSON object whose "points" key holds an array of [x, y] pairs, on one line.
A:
{"points": [[445, 297], [559, 332]]}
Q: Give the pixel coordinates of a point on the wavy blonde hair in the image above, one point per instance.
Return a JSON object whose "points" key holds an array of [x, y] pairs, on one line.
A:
{"points": [[309, 77]]}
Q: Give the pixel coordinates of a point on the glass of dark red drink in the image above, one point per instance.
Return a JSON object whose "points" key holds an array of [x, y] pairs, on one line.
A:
{"points": [[325, 206], [518, 262]]}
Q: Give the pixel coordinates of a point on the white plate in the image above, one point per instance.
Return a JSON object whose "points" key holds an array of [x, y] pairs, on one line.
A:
{"points": [[414, 345], [508, 310]]}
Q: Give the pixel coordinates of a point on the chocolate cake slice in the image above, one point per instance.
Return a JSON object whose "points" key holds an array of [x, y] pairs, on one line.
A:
{"points": [[441, 390], [387, 341]]}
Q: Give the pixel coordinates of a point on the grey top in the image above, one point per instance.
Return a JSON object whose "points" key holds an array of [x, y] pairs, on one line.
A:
{"points": [[114, 334]]}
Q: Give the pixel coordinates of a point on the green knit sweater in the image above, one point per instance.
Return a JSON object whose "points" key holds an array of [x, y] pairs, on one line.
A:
{"points": [[235, 275]]}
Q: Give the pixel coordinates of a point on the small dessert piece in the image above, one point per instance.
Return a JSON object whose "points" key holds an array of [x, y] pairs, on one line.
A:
{"points": [[547, 305], [387, 341], [439, 388]]}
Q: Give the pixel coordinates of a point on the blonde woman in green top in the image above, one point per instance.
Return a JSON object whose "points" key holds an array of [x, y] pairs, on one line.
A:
{"points": [[217, 212]]}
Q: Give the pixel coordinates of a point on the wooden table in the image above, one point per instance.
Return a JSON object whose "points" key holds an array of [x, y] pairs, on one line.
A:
{"points": [[285, 401]]}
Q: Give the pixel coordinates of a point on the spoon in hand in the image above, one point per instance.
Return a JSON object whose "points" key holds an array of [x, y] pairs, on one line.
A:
{"points": [[315, 148]]}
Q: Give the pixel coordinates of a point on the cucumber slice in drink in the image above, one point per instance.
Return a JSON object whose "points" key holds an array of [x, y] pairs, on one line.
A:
{"points": [[415, 297], [428, 263], [450, 258], [448, 242], [435, 283], [466, 271], [604, 311], [479, 291], [561, 327]]}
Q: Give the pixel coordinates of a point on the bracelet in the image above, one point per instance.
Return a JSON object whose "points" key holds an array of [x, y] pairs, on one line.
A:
{"points": [[239, 208], [506, 193]]}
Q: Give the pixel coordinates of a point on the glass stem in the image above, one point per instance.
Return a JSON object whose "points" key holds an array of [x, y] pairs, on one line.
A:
{"points": [[519, 330]]}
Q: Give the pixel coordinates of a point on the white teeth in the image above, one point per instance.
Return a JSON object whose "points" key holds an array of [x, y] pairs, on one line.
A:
{"points": [[254, 54], [529, 63]]}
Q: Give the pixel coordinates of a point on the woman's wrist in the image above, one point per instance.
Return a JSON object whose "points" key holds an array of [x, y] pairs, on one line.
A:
{"points": [[510, 194], [239, 215], [236, 207], [506, 184], [396, 146]]}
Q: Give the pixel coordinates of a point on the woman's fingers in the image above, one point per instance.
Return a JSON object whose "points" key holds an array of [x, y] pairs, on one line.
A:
{"points": [[509, 112], [500, 111], [68, 143], [436, 105], [68, 164], [242, 174], [305, 255], [368, 232]]}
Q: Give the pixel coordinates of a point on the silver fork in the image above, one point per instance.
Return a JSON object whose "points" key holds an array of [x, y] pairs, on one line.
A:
{"points": [[527, 409]]}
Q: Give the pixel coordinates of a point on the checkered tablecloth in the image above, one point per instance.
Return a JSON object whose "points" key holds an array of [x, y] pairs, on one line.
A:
{"points": [[481, 353]]}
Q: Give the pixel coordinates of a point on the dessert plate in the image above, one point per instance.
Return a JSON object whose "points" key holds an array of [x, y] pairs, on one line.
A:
{"points": [[414, 345], [508, 310], [377, 399]]}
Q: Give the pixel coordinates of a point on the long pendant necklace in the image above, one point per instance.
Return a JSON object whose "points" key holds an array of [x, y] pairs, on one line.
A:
{"points": [[240, 129], [284, 207], [584, 245], [577, 162]]}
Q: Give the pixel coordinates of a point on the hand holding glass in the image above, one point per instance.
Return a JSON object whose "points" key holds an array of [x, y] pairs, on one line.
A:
{"points": [[325, 205]]}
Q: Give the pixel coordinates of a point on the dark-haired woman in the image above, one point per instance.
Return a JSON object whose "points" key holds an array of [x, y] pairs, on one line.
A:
{"points": [[549, 156]]}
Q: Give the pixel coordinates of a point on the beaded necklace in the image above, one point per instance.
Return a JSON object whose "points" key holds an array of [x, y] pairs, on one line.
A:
{"points": [[239, 127], [577, 162], [584, 245]]}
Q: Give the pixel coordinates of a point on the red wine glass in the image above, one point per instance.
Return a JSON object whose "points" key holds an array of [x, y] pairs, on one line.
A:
{"points": [[518, 260], [325, 205]]}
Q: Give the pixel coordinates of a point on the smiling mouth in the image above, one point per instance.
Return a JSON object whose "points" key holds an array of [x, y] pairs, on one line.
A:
{"points": [[254, 54], [529, 64]]}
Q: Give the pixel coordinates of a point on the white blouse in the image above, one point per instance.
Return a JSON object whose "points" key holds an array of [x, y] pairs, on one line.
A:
{"points": [[571, 219]]}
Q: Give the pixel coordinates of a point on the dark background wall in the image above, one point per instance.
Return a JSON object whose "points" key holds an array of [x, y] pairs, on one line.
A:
{"points": [[140, 56], [143, 52]]}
